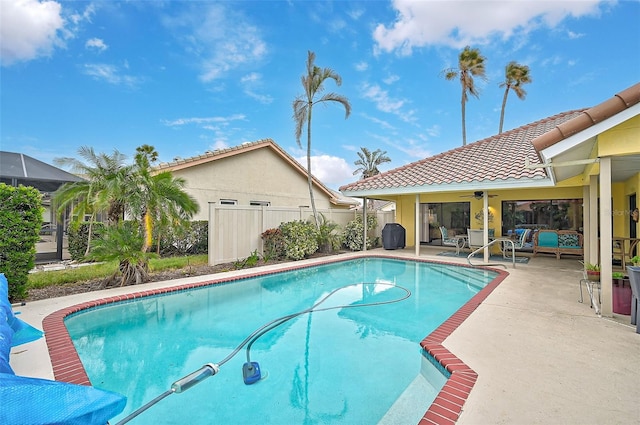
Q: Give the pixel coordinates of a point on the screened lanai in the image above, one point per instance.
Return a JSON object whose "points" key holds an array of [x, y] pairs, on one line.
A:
{"points": [[19, 169]]}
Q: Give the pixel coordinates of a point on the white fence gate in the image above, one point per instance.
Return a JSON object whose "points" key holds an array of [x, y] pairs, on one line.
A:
{"points": [[234, 231]]}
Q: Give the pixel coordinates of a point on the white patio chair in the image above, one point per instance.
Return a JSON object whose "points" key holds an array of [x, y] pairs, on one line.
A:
{"points": [[456, 241]]}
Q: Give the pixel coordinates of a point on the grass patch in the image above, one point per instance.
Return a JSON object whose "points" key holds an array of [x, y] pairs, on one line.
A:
{"points": [[104, 270]]}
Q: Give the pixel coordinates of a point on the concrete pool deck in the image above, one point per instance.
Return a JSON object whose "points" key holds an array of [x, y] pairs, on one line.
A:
{"points": [[540, 356]]}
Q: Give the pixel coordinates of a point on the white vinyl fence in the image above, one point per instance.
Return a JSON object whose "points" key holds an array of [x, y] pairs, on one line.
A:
{"points": [[234, 231]]}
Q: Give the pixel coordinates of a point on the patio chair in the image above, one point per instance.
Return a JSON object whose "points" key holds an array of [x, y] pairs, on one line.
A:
{"points": [[475, 239], [456, 241], [634, 279], [519, 244]]}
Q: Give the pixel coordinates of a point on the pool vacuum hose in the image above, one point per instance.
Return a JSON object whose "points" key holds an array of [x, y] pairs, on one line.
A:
{"points": [[251, 370]]}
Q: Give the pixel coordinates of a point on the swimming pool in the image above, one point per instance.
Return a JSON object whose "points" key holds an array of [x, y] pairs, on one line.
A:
{"points": [[345, 365]]}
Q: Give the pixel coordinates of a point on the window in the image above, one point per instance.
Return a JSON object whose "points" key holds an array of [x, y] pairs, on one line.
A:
{"points": [[559, 214], [455, 216], [260, 203], [228, 202]]}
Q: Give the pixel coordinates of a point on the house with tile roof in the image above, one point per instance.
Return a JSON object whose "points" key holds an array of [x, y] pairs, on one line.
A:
{"points": [[257, 173], [576, 170]]}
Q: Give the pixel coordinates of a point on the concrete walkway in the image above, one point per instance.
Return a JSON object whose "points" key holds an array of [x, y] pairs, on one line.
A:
{"points": [[541, 356]]}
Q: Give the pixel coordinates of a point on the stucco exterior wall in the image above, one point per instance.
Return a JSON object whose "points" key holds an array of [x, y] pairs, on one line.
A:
{"points": [[258, 175]]}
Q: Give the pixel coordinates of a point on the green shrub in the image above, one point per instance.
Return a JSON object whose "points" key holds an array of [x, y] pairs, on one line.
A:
{"points": [[300, 239], [20, 222], [79, 235], [354, 229], [273, 244], [192, 237]]}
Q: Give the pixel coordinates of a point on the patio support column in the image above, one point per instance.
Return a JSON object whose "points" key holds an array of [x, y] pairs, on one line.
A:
{"points": [[586, 223], [417, 226], [364, 223], [485, 224], [593, 225], [606, 256]]}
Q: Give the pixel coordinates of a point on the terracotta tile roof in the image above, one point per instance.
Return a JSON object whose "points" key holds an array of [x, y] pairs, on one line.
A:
{"points": [[497, 158], [618, 103]]}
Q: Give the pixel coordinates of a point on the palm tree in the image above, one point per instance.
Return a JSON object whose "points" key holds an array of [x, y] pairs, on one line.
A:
{"points": [[470, 64], [156, 197], [136, 189], [369, 162], [100, 192], [515, 76], [312, 83]]}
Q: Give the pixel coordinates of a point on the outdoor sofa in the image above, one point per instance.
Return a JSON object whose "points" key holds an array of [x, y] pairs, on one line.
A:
{"points": [[558, 242]]}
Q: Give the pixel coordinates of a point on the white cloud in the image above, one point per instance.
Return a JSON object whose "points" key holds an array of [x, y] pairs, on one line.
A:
{"points": [[362, 66], [381, 123], [204, 120], [251, 83], [110, 74], [385, 103], [456, 24], [391, 79], [330, 170], [29, 29], [221, 38], [96, 43]]}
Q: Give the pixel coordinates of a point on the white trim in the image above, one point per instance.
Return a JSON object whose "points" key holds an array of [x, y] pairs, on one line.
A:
{"points": [[458, 187]]}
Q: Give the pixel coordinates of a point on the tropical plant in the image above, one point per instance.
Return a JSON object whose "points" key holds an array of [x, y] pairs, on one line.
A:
{"points": [[144, 195], [470, 64], [516, 76], [313, 84], [123, 243], [635, 260], [592, 267], [328, 238], [156, 197], [369, 162], [101, 191]]}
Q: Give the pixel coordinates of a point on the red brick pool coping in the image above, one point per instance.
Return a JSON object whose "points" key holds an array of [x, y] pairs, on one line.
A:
{"points": [[445, 409]]}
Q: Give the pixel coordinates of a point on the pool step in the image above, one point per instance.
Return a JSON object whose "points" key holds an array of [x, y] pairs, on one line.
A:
{"points": [[416, 398]]}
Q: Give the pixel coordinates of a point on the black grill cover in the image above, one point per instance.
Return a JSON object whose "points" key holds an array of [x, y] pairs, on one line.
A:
{"points": [[393, 236]]}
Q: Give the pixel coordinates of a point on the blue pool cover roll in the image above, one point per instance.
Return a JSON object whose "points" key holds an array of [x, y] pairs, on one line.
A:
{"points": [[36, 401], [40, 401]]}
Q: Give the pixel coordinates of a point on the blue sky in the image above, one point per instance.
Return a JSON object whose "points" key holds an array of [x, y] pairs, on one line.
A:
{"points": [[192, 76]]}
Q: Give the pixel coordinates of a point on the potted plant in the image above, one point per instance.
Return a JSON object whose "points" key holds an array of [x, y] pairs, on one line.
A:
{"points": [[635, 260], [621, 293], [593, 272]]}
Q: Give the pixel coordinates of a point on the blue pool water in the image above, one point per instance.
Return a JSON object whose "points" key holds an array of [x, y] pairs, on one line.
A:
{"points": [[344, 365]]}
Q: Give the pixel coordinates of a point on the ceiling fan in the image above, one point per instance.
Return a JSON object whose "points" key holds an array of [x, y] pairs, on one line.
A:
{"points": [[478, 194]]}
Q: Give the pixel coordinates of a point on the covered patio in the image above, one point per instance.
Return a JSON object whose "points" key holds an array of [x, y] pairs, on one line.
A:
{"points": [[590, 157]]}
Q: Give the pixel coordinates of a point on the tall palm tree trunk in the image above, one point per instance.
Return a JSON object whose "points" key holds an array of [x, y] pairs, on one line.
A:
{"points": [[504, 105], [309, 179], [464, 124]]}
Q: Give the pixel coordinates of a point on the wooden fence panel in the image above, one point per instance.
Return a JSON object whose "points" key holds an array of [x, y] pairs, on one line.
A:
{"points": [[234, 231]]}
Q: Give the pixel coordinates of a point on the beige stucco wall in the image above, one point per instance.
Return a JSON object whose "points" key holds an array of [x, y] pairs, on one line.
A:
{"points": [[257, 175]]}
